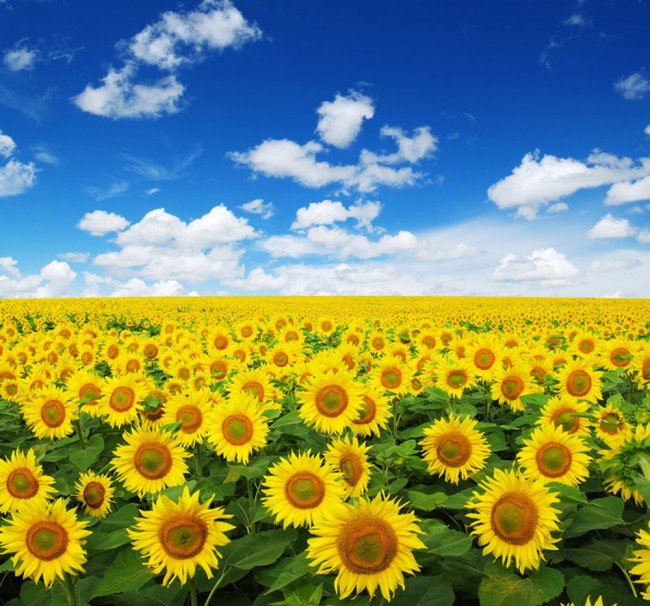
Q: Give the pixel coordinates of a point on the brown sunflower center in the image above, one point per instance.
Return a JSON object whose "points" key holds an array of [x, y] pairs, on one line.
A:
{"points": [[90, 392], [150, 351], [304, 490], [351, 466], [220, 342], [246, 331], [367, 546], [586, 346], [378, 343], [457, 379], [153, 460], [113, 351], [331, 400], [94, 494], [255, 388], [566, 419], [514, 518], [484, 359], [578, 383], [553, 459], [183, 536], [191, 418], [122, 398], [368, 411], [53, 413], [620, 357], [645, 370], [237, 429], [611, 423], [512, 387], [391, 378], [454, 449], [22, 484], [219, 370], [280, 359], [47, 540]]}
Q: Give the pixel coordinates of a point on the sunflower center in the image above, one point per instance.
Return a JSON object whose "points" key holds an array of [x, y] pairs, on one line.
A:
{"points": [[611, 423], [566, 419], [183, 536], [305, 490], [512, 387], [331, 400], [351, 467], [53, 413], [456, 379], [620, 357], [645, 370], [578, 383], [153, 460], [46, 540], [553, 459], [454, 449], [367, 546], [378, 343], [538, 373], [94, 494], [150, 351], [514, 518], [484, 359], [367, 412], [391, 378], [428, 341], [237, 429], [586, 346], [219, 370], [191, 418], [22, 483], [89, 391], [246, 332], [221, 342], [280, 359], [254, 388], [122, 399]]}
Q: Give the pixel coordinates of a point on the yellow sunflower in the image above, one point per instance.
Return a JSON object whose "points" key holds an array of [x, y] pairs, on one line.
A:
{"points": [[616, 354], [454, 448], [510, 384], [150, 461], [454, 375], [484, 354], [86, 386], [588, 602], [46, 541], [563, 413], [331, 402], [300, 489], [351, 459], [641, 365], [178, 537], [392, 374], [610, 424], [49, 414], [375, 411], [641, 559], [237, 427], [514, 518], [122, 396], [579, 380], [553, 455], [22, 482], [255, 382], [369, 546], [191, 409], [95, 493]]}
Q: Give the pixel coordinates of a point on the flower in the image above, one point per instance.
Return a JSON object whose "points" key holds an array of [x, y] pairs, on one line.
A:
{"points": [[351, 459], [22, 482], [95, 493], [641, 557], [578, 380], [49, 414]]}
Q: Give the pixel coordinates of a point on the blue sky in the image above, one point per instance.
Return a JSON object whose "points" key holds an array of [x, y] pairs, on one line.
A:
{"points": [[324, 147]]}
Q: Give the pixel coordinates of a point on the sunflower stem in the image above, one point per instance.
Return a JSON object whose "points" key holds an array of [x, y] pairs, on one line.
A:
{"points": [[194, 596], [214, 589], [80, 432], [627, 577], [68, 586]]}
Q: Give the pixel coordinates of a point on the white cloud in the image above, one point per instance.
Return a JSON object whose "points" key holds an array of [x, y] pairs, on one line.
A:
{"points": [[537, 182], [646, 130], [75, 257], [546, 264], [43, 155], [16, 178], [180, 38], [258, 279], [558, 207], [120, 97], [633, 87], [19, 59], [115, 189], [7, 145], [409, 149], [613, 265], [58, 278], [152, 190], [577, 20], [258, 207], [328, 212], [428, 252], [139, 288], [643, 237], [340, 120], [628, 191], [100, 223], [54, 280], [611, 227]]}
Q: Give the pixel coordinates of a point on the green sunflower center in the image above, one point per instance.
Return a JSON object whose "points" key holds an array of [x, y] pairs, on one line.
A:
{"points": [[457, 379], [484, 359], [367, 546], [454, 449], [47, 540], [351, 466], [255, 389], [122, 398], [367, 412], [512, 387], [553, 459], [611, 423], [153, 460], [191, 418], [514, 518], [94, 494], [53, 413], [566, 419], [578, 383], [331, 400], [391, 378], [237, 429], [183, 536], [305, 490], [22, 484]]}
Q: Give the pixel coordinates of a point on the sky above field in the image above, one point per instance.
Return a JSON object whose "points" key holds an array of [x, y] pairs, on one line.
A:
{"points": [[324, 147]]}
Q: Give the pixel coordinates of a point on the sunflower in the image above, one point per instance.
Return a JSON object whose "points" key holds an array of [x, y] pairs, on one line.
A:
{"points": [[49, 414], [611, 426], [616, 354], [454, 448], [95, 493], [351, 459], [454, 376], [510, 384], [641, 559], [191, 409], [369, 546], [553, 455], [564, 413], [255, 382], [237, 427], [484, 354], [122, 396], [283, 357], [514, 518], [47, 540], [331, 402], [85, 386], [22, 482], [300, 489], [392, 374], [641, 365], [178, 537], [374, 414], [579, 380], [588, 602], [150, 461]]}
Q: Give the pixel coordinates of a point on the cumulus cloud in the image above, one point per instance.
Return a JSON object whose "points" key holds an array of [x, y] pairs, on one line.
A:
{"points": [[633, 87], [135, 287], [340, 120], [7, 145], [258, 207], [258, 279], [100, 223], [536, 182], [16, 178], [628, 191], [611, 227], [75, 257], [545, 264], [19, 59], [328, 212], [54, 280], [409, 149], [558, 207], [120, 97]]}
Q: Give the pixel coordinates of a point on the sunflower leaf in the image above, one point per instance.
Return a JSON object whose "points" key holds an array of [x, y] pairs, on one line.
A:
{"points": [[502, 587], [126, 573], [84, 458]]}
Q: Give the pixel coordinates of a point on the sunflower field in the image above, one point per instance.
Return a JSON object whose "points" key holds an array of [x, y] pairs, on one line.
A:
{"points": [[307, 451]]}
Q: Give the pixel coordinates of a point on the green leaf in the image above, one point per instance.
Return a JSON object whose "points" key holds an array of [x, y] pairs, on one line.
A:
{"points": [[98, 541], [458, 500], [126, 573], [596, 515], [293, 569], [83, 459], [260, 549], [443, 541], [568, 494], [501, 587], [425, 591], [597, 555], [426, 502]]}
